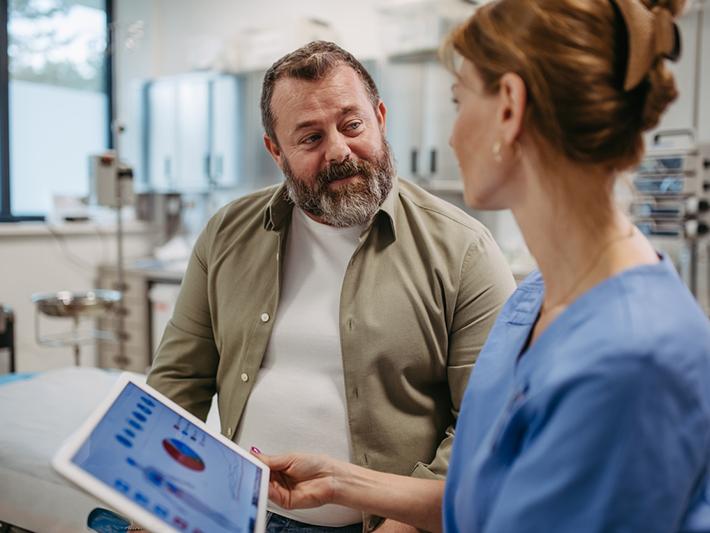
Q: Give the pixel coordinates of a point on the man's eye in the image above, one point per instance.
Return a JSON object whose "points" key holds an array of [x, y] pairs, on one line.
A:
{"points": [[456, 102], [354, 125], [310, 139]]}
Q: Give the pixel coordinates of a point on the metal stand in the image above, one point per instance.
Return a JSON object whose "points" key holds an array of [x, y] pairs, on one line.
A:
{"points": [[120, 359], [65, 304]]}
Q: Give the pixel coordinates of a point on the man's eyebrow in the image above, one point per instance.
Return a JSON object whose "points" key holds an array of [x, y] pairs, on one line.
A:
{"points": [[308, 123], [305, 124]]}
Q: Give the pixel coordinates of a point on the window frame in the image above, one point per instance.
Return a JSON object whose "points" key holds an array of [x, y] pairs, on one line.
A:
{"points": [[6, 214]]}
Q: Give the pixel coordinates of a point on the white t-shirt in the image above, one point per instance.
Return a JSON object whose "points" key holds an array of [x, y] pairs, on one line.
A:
{"points": [[298, 401]]}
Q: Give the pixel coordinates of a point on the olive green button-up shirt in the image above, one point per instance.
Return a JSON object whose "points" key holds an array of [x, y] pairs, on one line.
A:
{"points": [[419, 296]]}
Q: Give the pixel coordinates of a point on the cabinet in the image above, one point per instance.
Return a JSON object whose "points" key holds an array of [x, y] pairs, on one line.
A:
{"points": [[191, 124], [257, 167], [417, 93], [136, 326], [686, 113]]}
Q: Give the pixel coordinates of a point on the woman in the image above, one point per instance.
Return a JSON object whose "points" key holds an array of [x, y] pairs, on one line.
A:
{"points": [[589, 407]]}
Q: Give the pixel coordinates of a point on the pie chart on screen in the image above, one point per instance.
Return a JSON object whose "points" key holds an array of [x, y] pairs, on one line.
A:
{"points": [[183, 454]]}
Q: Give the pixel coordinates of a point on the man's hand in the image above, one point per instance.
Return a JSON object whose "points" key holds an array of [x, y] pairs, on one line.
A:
{"points": [[392, 526], [301, 481]]}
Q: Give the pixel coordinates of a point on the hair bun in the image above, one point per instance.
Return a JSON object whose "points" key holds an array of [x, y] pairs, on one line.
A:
{"points": [[661, 92], [674, 6], [661, 85]]}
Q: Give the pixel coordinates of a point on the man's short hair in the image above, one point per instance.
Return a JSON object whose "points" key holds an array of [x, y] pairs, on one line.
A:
{"points": [[311, 62]]}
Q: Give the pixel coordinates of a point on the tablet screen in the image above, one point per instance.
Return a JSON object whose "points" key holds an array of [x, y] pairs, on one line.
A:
{"points": [[170, 467]]}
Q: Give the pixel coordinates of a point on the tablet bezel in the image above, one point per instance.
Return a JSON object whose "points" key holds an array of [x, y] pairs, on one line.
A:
{"points": [[62, 461]]}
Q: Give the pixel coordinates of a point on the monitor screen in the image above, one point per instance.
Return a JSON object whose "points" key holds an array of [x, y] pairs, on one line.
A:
{"points": [[170, 467]]}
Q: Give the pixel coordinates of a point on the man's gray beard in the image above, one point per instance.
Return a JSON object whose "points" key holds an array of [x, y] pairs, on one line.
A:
{"points": [[349, 204]]}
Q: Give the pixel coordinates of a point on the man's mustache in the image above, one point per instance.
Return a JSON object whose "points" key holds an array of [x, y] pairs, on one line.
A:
{"points": [[346, 169]]}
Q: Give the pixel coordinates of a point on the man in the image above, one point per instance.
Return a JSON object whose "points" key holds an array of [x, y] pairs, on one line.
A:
{"points": [[341, 312]]}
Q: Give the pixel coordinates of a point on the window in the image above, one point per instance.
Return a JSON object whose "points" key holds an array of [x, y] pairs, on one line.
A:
{"points": [[54, 100]]}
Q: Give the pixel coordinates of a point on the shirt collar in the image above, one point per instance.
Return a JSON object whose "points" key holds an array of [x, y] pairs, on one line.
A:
{"points": [[279, 208], [387, 213]]}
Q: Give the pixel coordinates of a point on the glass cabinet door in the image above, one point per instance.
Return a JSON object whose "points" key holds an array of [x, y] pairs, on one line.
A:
{"points": [[401, 89], [192, 149], [439, 114], [224, 142], [161, 141], [257, 168]]}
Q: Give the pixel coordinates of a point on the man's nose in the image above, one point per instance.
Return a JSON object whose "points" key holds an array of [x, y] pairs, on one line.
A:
{"points": [[337, 149]]}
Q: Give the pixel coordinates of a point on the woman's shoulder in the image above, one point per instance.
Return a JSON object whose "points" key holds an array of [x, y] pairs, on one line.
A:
{"points": [[653, 309], [644, 320]]}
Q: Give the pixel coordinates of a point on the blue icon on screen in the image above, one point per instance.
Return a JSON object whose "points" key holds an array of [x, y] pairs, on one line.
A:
{"points": [[160, 512], [141, 499], [129, 432], [135, 425], [144, 409], [121, 486], [140, 416], [147, 401], [123, 440]]}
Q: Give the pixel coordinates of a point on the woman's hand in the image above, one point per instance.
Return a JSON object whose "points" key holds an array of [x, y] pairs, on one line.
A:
{"points": [[301, 481]]}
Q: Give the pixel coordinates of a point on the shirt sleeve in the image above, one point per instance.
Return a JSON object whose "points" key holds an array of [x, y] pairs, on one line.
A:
{"points": [[618, 449], [185, 365], [486, 283]]}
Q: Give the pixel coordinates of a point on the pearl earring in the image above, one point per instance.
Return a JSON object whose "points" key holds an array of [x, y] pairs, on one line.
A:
{"points": [[497, 152]]}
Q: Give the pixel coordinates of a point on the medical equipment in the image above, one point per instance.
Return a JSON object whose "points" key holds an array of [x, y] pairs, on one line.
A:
{"points": [[163, 210], [671, 205], [111, 185], [75, 305], [7, 335]]}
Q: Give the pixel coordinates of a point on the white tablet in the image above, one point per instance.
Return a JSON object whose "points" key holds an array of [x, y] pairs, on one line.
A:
{"points": [[158, 465]]}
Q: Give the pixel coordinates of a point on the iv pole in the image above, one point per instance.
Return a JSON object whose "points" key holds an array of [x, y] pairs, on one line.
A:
{"points": [[135, 32], [120, 359]]}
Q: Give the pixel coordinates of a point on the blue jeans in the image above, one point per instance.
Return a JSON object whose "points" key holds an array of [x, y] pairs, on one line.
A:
{"points": [[280, 524]]}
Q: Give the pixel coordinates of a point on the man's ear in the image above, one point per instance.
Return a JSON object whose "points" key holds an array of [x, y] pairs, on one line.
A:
{"points": [[512, 97], [273, 148], [381, 116]]}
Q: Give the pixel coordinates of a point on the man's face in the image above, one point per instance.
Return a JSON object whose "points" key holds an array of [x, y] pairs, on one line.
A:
{"points": [[331, 147]]}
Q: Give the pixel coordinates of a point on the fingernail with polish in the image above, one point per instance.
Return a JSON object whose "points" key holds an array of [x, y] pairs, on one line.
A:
{"points": [[255, 450]]}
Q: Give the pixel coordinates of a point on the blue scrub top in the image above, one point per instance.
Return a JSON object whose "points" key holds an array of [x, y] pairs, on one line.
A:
{"points": [[603, 425]]}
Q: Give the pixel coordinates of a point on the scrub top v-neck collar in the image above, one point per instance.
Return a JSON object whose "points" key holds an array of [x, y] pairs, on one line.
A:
{"points": [[528, 307]]}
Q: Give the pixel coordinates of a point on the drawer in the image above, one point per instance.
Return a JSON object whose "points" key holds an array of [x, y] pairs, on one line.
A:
{"points": [[136, 288], [137, 355], [135, 318]]}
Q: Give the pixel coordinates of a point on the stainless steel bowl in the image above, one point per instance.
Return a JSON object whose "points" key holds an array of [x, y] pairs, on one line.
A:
{"points": [[75, 304]]}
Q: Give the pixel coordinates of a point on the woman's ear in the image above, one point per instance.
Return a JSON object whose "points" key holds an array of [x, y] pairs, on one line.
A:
{"points": [[512, 96]]}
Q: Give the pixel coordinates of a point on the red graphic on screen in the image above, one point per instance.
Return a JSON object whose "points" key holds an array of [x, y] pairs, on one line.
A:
{"points": [[183, 454]]}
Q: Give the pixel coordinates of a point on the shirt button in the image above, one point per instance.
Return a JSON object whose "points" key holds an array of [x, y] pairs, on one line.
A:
{"points": [[245, 377], [229, 431], [265, 317]]}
